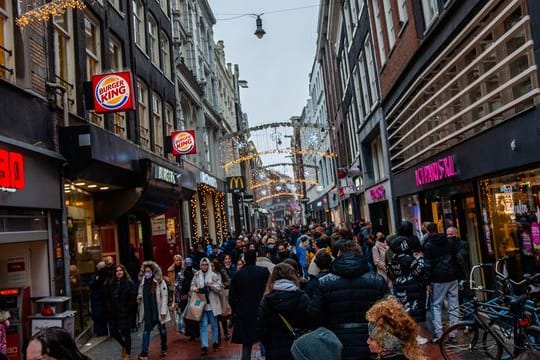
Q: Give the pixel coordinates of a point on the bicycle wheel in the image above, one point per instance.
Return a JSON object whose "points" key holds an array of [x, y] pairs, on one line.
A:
{"points": [[467, 341]]}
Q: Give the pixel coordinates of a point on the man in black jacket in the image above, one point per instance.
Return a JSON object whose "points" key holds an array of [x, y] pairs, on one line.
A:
{"points": [[441, 259], [345, 296], [245, 294]]}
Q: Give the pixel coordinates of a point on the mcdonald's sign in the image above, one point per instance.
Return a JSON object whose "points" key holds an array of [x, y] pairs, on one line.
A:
{"points": [[236, 184]]}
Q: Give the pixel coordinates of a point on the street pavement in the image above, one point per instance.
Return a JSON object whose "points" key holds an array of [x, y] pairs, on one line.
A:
{"points": [[182, 349]]}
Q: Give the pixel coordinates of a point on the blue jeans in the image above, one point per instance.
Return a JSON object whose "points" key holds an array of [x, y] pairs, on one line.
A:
{"points": [[208, 316], [179, 317], [146, 336], [441, 291]]}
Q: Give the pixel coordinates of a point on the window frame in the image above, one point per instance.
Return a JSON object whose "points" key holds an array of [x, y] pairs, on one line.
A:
{"points": [[157, 123], [139, 25], [7, 55], [66, 75], [142, 114], [165, 56], [153, 40]]}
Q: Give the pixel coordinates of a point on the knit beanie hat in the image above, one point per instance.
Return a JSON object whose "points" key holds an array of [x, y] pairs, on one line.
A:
{"points": [[318, 344]]}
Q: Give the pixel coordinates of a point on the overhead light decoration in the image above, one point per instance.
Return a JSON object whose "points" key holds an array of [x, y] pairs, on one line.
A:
{"points": [[270, 182], [47, 10], [259, 31], [326, 154], [278, 195]]}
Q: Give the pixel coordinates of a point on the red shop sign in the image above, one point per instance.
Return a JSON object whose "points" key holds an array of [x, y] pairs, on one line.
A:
{"points": [[113, 92], [11, 171], [183, 142]]}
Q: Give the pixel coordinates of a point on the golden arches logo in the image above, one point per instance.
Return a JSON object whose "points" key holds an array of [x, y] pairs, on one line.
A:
{"points": [[236, 183]]}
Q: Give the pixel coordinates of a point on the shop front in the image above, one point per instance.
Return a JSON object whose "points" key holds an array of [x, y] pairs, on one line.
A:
{"points": [[377, 199], [209, 222], [31, 250]]}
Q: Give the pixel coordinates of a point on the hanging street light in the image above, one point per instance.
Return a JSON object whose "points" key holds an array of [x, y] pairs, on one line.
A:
{"points": [[259, 32]]}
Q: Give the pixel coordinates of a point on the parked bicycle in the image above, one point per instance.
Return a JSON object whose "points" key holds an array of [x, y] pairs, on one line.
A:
{"points": [[500, 328]]}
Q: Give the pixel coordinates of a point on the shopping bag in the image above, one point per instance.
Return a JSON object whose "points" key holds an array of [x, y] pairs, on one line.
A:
{"points": [[196, 307], [225, 306]]}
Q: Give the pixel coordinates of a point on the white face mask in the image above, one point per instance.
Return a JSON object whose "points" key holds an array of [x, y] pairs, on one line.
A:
{"points": [[148, 275]]}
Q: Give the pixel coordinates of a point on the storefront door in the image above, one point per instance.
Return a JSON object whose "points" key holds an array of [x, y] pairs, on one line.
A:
{"points": [[378, 214]]}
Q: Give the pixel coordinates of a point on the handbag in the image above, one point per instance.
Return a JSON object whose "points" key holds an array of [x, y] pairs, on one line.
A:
{"points": [[225, 306], [196, 306], [296, 333]]}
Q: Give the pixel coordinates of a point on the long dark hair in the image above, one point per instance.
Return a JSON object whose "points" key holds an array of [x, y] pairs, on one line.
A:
{"points": [[126, 274], [57, 343], [282, 271]]}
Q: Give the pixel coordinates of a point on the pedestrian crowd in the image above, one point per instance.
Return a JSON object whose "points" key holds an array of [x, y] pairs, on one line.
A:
{"points": [[304, 292]]}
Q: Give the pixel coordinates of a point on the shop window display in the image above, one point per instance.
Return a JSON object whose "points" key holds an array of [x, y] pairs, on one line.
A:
{"points": [[510, 212]]}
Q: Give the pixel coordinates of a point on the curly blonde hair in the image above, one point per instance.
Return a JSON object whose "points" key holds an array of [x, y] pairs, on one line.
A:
{"points": [[390, 316]]}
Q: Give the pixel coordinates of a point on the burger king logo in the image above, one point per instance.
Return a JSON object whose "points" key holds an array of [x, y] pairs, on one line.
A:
{"points": [[183, 142], [112, 92]]}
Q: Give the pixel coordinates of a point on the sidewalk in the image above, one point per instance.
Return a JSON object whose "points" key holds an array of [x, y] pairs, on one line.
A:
{"points": [[103, 348]]}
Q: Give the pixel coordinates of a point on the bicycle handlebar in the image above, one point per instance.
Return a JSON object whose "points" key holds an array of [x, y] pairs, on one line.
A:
{"points": [[527, 279]]}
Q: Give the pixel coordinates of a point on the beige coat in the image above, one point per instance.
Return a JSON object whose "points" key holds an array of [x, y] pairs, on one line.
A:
{"points": [[162, 293], [214, 281], [378, 252]]}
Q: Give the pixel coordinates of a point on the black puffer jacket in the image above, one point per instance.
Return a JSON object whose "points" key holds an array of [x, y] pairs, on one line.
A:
{"points": [[409, 286], [346, 294], [440, 254], [293, 306], [121, 303]]}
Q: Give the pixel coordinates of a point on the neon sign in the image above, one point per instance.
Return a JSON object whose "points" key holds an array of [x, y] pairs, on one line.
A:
{"points": [[11, 171], [439, 170]]}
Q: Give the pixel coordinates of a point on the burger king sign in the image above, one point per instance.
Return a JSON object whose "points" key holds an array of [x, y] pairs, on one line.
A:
{"points": [[183, 142], [113, 92]]}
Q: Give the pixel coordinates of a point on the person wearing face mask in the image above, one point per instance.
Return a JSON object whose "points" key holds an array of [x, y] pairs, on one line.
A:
{"points": [[208, 283], [153, 308], [191, 327]]}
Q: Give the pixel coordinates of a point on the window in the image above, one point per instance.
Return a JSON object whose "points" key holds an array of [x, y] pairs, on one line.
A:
{"points": [[153, 44], [389, 23], [378, 29], [164, 4], [157, 122], [372, 70], [364, 82], [358, 95], [116, 4], [64, 67], [430, 10], [6, 41], [165, 55], [142, 115], [169, 122], [93, 57], [402, 8], [138, 24], [115, 54], [377, 159]]}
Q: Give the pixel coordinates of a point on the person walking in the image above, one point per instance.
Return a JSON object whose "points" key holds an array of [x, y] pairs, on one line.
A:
{"points": [[378, 253], [345, 296], [284, 306], [121, 308], [209, 284], [392, 332], [177, 273], [246, 292], [223, 319], [441, 259], [97, 301], [153, 309]]}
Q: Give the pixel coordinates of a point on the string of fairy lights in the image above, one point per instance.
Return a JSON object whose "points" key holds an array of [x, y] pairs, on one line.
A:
{"points": [[44, 12], [255, 185], [280, 194], [254, 155]]}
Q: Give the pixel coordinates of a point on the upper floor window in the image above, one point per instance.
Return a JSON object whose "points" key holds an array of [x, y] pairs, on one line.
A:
{"points": [[372, 70], [430, 10], [402, 8], [142, 115], [153, 40], [138, 24], [377, 158], [7, 70], [64, 62], [389, 23], [164, 4], [157, 122], [116, 54], [93, 56], [165, 55], [379, 30]]}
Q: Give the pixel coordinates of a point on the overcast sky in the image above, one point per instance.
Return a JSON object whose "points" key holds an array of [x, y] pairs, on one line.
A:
{"points": [[277, 66]]}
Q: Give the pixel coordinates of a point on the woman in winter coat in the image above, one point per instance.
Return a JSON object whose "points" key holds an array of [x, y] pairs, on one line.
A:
{"points": [[191, 327], [392, 332], [379, 252], [121, 305], [153, 308], [208, 283], [176, 273], [283, 302], [226, 281], [97, 301]]}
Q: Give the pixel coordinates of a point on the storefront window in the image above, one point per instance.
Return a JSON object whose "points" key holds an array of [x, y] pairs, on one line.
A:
{"points": [[410, 211], [510, 212]]}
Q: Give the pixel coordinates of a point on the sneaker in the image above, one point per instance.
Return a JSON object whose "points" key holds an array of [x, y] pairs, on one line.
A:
{"points": [[143, 356], [215, 346], [421, 340], [204, 351], [163, 353]]}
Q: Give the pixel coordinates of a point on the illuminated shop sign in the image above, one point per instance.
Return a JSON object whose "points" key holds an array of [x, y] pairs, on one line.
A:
{"points": [[378, 193], [11, 171], [183, 142], [439, 170], [113, 92], [208, 179], [166, 175]]}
